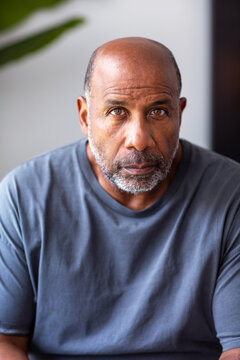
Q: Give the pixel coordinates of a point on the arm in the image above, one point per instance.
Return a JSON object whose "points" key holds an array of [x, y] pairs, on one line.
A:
{"points": [[13, 347], [226, 299], [233, 354], [16, 291]]}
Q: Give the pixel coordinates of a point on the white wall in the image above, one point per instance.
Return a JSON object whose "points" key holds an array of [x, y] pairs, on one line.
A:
{"points": [[38, 93]]}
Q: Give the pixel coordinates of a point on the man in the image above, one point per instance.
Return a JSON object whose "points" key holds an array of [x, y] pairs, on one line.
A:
{"points": [[125, 245]]}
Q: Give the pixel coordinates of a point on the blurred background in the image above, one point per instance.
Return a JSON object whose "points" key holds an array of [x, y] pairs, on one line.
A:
{"points": [[45, 47]]}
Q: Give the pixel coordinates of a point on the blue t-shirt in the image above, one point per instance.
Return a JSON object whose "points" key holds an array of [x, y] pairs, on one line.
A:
{"points": [[85, 276]]}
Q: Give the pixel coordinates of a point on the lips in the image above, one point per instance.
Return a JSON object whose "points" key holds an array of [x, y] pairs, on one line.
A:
{"points": [[140, 169]]}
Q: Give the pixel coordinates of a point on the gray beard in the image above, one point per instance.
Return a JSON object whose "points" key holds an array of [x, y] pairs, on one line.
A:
{"points": [[134, 184]]}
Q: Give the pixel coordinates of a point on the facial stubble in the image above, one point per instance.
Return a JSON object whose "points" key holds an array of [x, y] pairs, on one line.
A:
{"points": [[129, 183]]}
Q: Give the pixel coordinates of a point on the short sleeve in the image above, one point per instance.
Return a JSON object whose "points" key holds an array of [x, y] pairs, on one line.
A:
{"points": [[226, 302], [16, 294]]}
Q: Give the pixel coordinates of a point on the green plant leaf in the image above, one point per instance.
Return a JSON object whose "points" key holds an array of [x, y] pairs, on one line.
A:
{"points": [[33, 43], [14, 11]]}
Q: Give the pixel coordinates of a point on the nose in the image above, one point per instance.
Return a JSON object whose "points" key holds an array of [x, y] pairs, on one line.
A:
{"points": [[138, 134]]}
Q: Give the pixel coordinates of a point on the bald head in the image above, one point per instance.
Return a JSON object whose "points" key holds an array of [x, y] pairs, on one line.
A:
{"points": [[137, 50]]}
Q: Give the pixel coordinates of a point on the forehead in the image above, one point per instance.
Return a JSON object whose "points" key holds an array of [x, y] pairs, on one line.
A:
{"points": [[133, 74]]}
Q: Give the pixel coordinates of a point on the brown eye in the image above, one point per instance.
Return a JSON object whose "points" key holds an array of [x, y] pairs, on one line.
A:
{"points": [[157, 112], [117, 112]]}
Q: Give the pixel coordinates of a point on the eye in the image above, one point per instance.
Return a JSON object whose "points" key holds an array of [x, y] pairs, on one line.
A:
{"points": [[158, 112], [117, 112]]}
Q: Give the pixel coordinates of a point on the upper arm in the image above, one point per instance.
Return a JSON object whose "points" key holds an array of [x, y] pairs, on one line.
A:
{"points": [[226, 300], [13, 347], [19, 341], [15, 283], [233, 354]]}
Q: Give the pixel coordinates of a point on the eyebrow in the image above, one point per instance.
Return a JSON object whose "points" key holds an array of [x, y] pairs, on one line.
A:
{"points": [[116, 102], [160, 102], [124, 103]]}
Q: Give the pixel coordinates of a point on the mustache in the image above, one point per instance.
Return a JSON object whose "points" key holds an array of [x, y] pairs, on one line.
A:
{"points": [[140, 157]]}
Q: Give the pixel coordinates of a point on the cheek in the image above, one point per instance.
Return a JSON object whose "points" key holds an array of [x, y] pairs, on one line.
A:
{"points": [[97, 130], [167, 132], [105, 139], [166, 138], [109, 133]]}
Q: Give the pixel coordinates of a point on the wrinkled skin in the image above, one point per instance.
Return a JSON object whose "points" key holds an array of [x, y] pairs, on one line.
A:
{"points": [[132, 117]]}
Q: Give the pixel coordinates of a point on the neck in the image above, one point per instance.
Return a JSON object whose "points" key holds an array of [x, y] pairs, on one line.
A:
{"points": [[139, 201]]}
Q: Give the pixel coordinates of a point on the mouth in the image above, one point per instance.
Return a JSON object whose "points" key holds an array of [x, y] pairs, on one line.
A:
{"points": [[140, 169]]}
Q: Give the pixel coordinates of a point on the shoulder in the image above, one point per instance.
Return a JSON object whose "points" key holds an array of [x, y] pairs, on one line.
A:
{"points": [[208, 156], [51, 163], [214, 169], [211, 181], [43, 174]]}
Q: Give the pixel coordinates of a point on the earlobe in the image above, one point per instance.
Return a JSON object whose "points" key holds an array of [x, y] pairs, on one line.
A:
{"points": [[83, 114]]}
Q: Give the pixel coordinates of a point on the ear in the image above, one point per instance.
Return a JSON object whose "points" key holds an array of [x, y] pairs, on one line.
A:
{"points": [[83, 114], [182, 105]]}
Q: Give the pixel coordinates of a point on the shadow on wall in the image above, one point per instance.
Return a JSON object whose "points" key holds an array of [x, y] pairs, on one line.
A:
{"points": [[226, 75]]}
